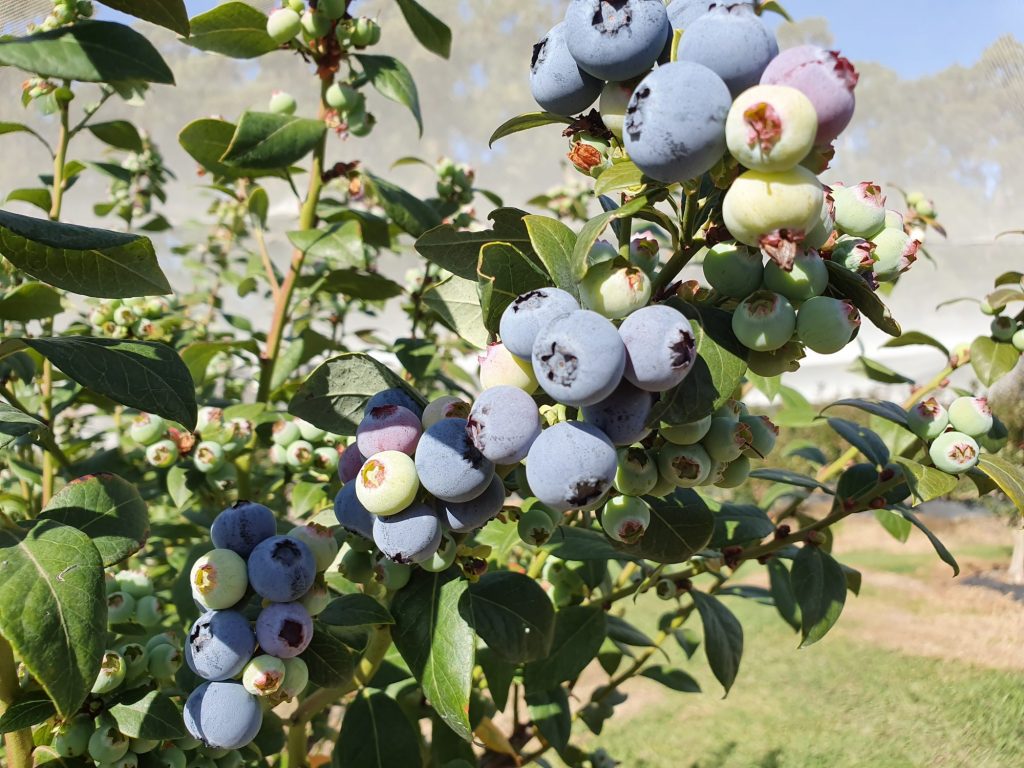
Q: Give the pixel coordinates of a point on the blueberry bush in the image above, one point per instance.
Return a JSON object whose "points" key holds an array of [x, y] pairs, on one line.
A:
{"points": [[224, 546]]}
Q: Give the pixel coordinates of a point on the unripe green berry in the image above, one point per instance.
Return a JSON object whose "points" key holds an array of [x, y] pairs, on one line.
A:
{"points": [[120, 607], [171, 756], [134, 656], [333, 9], [996, 438], [1003, 328], [954, 452], [162, 454], [535, 527], [283, 25], [315, 24], [299, 454], [71, 739], [684, 466], [344, 98], [263, 675], [284, 433], [393, 576], [296, 677], [365, 32], [320, 541], [209, 416], [727, 439], [296, 5], [356, 566], [278, 455], [135, 583], [112, 673], [734, 474], [625, 518], [107, 743], [686, 434], [164, 661], [666, 589], [208, 456], [807, 278], [825, 324], [443, 558], [310, 432], [282, 103], [149, 611], [764, 321], [637, 471], [147, 428], [971, 415], [733, 270], [1018, 340], [614, 292], [143, 746], [317, 597], [763, 434], [219, 579]]}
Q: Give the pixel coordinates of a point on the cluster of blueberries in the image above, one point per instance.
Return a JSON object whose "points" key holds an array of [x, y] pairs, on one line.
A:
{"points": [[686, 88], [284, 573], [126, 665], [1004, 327], [957, 434], [148, 317]]}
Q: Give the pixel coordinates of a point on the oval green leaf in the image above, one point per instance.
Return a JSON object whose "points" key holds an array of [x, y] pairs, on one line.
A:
{"points": [[723, 637], [376, 733], [525, 123], [148, 715], [355, 610], [269, 141], [236, 30], [510, 613], [393, 81]]}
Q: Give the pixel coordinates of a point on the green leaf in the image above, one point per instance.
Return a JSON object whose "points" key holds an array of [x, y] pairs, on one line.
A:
{"points": [[723, 637], [338, 244], [40, 197], [863, 439], [579, 633], [207, 139], [499, 674], [782, 593], [718, 370], [1001, 297], [505, 273], [119, 134], [375, 733], [333, 396], [30, 301], [28, 708], [926, 483], [740, 524], [456, 302], [89, 51], [673, 679], [330, 661], [15, 423], [882, 408], [511, 613], [83, 260], [552, 715], [877, 371], [52, 608], [525, 123], [199, 354], [433, 34], [940, 548], [108, 509], [355, 610], [595, 226], [269, 141], [459, 251], [894, 523], [407, 211], [232, 29], [140, 374], [992, 359], [623, 174], [681, 525], [916, 338], [853, 287], [623, 632], [392, 81], [148, 715], [359, 284], [1006, 475], [820, 588], [554, 244], [437, 643], [796, 410], [166, 13]]}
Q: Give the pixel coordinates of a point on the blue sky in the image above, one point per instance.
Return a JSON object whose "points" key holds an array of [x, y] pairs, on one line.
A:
{"points": [[913, 37]]}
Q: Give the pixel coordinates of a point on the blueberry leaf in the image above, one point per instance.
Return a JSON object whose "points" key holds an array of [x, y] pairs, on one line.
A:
{"points": [[723, 637], [525, 123], [375, 732], [28, 708], [232, 29], [510, 612], [820, 588], [148, 715], [393, 81], [15, 423], [579, 633], [166, 13], [433, 34]]}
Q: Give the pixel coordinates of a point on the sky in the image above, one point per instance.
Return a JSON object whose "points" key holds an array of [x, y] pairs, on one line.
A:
{"points": [[915, 38]]}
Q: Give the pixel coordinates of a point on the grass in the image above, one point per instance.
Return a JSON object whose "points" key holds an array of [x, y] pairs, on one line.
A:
{"points": [[842, 703]]}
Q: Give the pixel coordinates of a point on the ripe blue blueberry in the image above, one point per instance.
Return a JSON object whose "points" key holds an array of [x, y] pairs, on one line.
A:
{"points": [[223, 715], [571, 465], [284, 629], [281, 569], [351, 514], [731, 41], [466, 516], [528, 313], [242, 526], [220, 644], [503, 423], [660, 347], [449, 466], [622, 416], [349, 463], [557, 83], [579, 358], [411, 536], [675, 122], [616, 39]]}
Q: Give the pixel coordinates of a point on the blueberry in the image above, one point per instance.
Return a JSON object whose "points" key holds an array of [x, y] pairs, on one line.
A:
{"points": [[387, 483], [616, 39], [223, 715], [285, 432], [219, 645], [466, 516], [954, 452], [284, 629], [242, 526], [971, 415], [147, 428], [764, 321], [660, 347], [321, 543], [263, 675], [615, 291], [734, 474], [388, 428], [684, 466], [503, 423], [443, 556], [763, 434], [807, 278], [282, 103], [394, 396], [824, 226], [71, 739], [733, 270], [625, 518], [762, 207], [299, 454], [854, 253], [579, 358], [281, 569], [732, 42], [727, 439], [535, 527], [825, 77], [120, 607], [826, 325], [682, 13], [349, 463], [112, 673], [296, 677], [622, 416], [445, 407], [771, 127], [218, 579], [528, 313], [410, 536], [895, 252], [162, 454], [675, 122], [283, 24], [690, 433], [391, 575], [317, 598], [351, 514], [557, 83], [449, 466], [571, 465], [637, 472], [927, 419], [164, 661], [500, 367], [860, 209], [107, 743]]}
